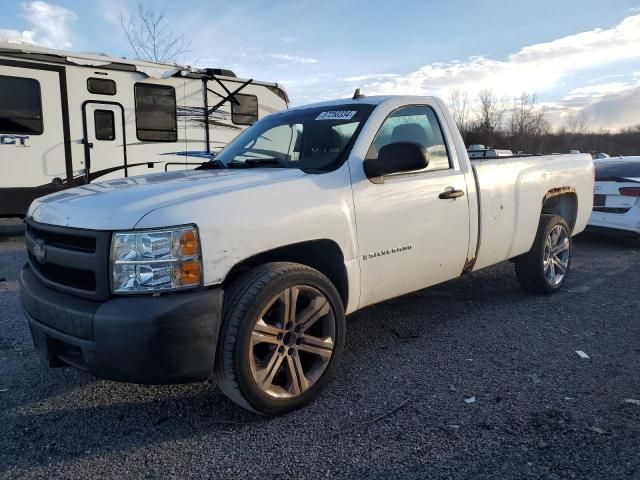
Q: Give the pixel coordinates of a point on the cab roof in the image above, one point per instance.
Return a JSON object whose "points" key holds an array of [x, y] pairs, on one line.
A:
{"points": [[366, 100]]}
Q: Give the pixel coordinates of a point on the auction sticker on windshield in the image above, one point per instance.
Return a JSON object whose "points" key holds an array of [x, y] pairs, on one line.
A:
{"points": [[336, 115]]}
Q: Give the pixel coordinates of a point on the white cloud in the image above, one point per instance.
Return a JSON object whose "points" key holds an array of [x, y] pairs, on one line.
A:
{"points": [[608, 111], [14, 36], [111, 10], [49, 26], [534, 68], [615, 111], [599, 90], [294, 59], [611, 105], [539, 68]]}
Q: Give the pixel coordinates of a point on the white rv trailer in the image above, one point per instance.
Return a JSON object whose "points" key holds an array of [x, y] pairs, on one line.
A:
{"points": [[67, 119]]}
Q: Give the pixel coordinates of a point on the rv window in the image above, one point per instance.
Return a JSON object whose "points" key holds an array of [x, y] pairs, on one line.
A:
{"points": [[105, 124], [101, 86], [247, 112], [156, 119], [20, 106]]}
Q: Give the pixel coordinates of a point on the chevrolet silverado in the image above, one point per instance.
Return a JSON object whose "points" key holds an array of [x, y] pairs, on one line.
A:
{"points": [[244, 269]]}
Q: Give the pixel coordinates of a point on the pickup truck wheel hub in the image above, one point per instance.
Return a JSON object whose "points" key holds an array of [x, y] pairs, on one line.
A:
{"points": [[556, 255], [292, 342]]}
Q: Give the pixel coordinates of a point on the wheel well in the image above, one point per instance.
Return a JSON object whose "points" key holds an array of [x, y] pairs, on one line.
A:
{"points": [[323, 255], [563, 203]]}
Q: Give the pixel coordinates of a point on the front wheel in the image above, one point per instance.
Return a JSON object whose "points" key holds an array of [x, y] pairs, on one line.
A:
{"points": [[282, 335], [545, 267]]}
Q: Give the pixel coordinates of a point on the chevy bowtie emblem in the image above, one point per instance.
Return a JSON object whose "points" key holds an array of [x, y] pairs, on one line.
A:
{"points": [[40, 251]]}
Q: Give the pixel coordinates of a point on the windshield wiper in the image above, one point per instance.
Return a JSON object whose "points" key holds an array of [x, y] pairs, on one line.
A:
{"points": [[256, 162], [210, 164]]}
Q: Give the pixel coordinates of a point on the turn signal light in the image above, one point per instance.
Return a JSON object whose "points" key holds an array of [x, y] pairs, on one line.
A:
{"points": [[189, 243], [187, 274], [630, 191]]}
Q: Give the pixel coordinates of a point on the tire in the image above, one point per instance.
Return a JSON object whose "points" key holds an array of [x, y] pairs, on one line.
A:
{"points": [[264, 344], [540, 270]]}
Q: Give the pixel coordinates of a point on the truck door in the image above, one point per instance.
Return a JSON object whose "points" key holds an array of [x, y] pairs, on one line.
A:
{"points": [[413, 229], [104, 141]]}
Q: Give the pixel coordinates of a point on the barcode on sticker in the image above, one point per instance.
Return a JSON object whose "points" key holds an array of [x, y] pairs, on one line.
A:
{"points": [[336, 115]]}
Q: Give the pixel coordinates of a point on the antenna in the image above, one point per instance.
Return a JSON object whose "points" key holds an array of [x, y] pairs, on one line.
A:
{"points": [[357, 94]]}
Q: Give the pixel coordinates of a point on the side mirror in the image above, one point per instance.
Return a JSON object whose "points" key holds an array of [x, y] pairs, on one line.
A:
{"points": [[396, 158]]}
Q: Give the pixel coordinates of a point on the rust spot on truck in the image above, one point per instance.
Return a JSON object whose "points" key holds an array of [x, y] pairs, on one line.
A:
{"points": [[554, 192], [468, 265]]}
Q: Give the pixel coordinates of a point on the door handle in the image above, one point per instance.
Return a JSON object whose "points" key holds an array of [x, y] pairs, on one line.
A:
{"points": [[449, 194]]}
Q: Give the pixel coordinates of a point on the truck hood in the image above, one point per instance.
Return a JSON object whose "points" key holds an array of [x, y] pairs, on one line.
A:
{"points": [[120, 204]]}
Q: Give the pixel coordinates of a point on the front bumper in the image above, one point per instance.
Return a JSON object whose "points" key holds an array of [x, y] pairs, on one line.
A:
{"points": [[139, 339]]}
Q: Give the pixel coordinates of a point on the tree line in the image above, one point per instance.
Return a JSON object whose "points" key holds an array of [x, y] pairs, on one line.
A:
{"points": [[521, 125]]}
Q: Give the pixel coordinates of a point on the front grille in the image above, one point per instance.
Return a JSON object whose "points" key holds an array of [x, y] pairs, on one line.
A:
{"points": [[71, 260], [72, 277], [617, 210], [73, 242]]}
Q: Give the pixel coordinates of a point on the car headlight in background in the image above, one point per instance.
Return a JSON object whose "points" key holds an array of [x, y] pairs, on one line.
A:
{"points": [[155, 260]]}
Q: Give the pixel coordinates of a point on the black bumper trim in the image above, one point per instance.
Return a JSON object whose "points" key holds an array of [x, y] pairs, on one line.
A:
{"points": [[65, 313], [141, 339]]}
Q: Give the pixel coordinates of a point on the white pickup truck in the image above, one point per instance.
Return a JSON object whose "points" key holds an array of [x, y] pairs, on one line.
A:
{"points": [[245, 268]]}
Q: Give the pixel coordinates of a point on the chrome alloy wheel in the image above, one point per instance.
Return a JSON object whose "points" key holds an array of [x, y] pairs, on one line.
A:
{"points": [[292, 342], [556, 255]]}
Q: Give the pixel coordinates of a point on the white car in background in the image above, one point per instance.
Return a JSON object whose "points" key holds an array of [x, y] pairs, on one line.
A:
{"points": [[616, 203]]}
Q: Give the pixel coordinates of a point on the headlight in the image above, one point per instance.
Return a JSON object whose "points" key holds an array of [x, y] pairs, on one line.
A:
{"points": [[155, 260]]}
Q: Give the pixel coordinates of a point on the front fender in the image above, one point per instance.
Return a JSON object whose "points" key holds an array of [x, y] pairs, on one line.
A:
{"points": [[237, 224]]}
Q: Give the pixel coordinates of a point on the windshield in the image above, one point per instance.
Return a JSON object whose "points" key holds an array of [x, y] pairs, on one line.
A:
{"points": [[313, 138]]}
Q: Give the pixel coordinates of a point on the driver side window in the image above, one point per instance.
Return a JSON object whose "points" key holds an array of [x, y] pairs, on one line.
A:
{"points": [[417, 124]]}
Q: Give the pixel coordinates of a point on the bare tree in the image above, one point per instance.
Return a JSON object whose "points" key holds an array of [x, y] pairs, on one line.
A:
{"points": [[573, 128], [526, 123], [461, 110], [150, 35], [577, 123], [525, 127], [491, 113]]}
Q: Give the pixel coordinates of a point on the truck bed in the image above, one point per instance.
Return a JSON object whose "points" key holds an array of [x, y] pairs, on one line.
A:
{"points": [[511, 192]]}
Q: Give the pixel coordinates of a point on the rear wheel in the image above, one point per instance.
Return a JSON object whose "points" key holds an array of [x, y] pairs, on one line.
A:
{"points": [[545, 267], [281, 338]]}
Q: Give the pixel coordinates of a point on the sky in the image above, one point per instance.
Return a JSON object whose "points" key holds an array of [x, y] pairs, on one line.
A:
{"points": [[574, 55]]}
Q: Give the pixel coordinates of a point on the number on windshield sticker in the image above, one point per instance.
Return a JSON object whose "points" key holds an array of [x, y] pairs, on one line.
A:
{"points": [[336, 115]]}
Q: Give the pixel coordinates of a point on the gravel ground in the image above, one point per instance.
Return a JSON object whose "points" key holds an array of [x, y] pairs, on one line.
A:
{"points": [[397, 407]]}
